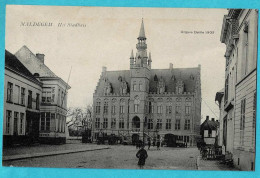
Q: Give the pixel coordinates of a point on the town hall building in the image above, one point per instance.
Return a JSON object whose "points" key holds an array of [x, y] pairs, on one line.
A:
{"points": [[143, 103]]}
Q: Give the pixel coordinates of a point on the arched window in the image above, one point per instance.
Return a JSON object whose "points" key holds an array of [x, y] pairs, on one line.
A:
{"points": [[151, 106], [178, 106], [140, 86], [121, 123], [169, 106], [113, 107], [122, 106], [188, 106], [134, 86], [136, 104], [105, 106], [159, 106], [150, 123], [98, 105]]}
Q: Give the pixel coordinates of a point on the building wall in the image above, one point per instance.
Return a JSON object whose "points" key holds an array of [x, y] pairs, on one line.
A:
{"points": [[21, 81], [128, 116], [250, 17], [244, 142], [244, 145], [242, 58]]}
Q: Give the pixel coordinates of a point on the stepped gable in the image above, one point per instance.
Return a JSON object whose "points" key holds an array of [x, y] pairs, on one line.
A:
{"points": [[171, 76], [114, 78], [13, 63], [34, 64]]}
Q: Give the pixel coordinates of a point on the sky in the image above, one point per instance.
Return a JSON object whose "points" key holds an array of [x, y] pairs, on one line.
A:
{"points": [[107, 35]]}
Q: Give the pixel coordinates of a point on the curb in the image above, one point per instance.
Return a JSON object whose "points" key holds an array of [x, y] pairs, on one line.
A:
{"points": [[54, 153]]}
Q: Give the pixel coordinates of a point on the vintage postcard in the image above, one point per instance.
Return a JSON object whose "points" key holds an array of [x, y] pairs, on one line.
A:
{"points": [[130, 88]]}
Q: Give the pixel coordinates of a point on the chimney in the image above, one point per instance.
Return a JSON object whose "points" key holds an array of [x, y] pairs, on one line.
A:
{"points": [[40, 56], [104, 69], [207, 118], [171, 66], [212, 119]]}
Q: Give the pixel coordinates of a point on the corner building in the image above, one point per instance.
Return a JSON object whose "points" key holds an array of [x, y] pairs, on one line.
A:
{"points": [[143, 103], [53, 101]]}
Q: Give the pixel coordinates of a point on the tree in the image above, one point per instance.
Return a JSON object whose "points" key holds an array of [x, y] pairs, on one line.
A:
{"points": [[79, 119]]}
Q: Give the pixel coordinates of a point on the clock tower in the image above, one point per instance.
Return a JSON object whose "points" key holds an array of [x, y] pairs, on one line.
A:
{"points": [[140, 67]]}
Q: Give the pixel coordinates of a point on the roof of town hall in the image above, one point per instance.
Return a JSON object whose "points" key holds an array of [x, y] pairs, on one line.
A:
{"points": [[169, 76], [14, 64]]}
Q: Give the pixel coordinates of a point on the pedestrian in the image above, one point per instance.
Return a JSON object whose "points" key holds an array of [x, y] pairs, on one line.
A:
{"points": [[137, 144], [154, 142], [158, 144], [149, 144], [142, 155]]}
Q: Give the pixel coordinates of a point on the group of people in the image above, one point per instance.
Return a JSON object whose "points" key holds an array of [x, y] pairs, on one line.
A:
{"points": [[142, 153]]}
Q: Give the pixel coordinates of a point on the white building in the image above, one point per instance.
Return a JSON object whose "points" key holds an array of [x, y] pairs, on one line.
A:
{"points": [[21, 103], [45, 108], [239, 33]]}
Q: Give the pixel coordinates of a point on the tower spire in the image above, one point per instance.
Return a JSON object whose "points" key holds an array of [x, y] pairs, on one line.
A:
{"points": [[132, 55], [150, 58], [142, 33]]}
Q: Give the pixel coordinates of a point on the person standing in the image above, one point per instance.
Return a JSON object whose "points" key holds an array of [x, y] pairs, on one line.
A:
{"points": [[142, 155], [158, 143], [154, 139], [149, 143]]}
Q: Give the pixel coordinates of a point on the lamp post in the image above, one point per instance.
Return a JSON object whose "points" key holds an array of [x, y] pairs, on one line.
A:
{"points": [[144, 124]]}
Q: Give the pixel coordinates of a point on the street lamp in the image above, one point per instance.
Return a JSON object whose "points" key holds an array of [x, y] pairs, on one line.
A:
{"points": [[144, 124]]}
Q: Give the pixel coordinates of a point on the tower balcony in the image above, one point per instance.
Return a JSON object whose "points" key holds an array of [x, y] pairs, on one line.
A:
{"points": [[141, 46]]}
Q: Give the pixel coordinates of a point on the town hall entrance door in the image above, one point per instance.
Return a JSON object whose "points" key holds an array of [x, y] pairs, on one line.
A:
{"points": [[136, 124]]}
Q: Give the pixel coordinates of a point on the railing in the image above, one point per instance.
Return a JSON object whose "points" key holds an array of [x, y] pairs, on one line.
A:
{"points": [[211, 152]]}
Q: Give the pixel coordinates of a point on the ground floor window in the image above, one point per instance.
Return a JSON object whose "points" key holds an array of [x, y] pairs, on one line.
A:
{"points": [[8, 120], [45, 121], [16, 117], [186, 139], [96, 135], [61, 122], [21, 123]]}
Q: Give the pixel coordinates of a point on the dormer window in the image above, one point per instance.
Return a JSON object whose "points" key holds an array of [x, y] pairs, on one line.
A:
{"points": [[108, 87], [180, 87], [161, 86]]}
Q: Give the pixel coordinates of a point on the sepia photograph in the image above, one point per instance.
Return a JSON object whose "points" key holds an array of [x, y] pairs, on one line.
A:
{"points": [[130, 88]]}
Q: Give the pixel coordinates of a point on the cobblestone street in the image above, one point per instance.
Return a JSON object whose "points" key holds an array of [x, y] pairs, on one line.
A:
{"points": [[118, 156]]}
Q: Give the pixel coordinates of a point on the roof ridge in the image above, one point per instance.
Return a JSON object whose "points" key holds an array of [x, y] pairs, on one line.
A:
{"points": [[26, 48]]}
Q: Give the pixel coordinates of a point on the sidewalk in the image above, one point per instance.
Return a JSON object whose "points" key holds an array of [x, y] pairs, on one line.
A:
{"points": [[213, 165], [24, 152]]}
